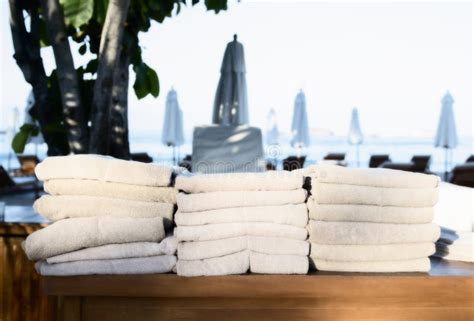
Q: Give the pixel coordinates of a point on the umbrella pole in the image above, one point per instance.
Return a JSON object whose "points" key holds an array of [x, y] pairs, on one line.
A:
{"points": [[174, 155], [357, 151], [445, 164]]}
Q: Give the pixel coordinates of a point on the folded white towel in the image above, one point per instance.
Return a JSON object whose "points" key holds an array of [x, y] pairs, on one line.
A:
{"points": [[296, 215], [228, 230], [141, 265], [324, 193], [278, 264], [216, 200], [350, 233], [215, 248], [103, 168], [455, 246], [415, 265], [89, 187], [376, 177], [455, 209], [237, 263], [385, 252], [167, 246], [267, 181], [56, 208], [369, 213], [77, 233]]}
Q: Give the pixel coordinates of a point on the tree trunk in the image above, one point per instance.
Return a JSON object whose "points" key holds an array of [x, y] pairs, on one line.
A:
{"points": [[119, 144], [109, 55], [73, 111], [28, 58]]}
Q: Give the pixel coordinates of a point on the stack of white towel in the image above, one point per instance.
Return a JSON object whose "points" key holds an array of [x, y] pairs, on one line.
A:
{"points": [[371, 220], [109, 217], [233, 223], [455, 214]]}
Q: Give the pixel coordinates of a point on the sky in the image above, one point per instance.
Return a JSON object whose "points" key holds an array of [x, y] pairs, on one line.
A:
{"points": [[393, 61]]}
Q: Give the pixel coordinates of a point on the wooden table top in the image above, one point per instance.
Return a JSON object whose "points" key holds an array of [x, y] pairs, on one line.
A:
{"points": [[444, 276]]}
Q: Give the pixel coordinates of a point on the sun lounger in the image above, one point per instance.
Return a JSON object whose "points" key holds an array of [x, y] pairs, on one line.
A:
{"points": [[378, 160]]}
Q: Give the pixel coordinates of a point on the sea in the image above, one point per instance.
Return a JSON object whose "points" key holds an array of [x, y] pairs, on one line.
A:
{"points": [[400, 149]]}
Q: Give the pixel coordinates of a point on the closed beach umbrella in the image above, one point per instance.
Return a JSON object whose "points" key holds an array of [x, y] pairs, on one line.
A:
{"points": [[446, 136], [172, 134], [230, 103], [355, 136], [272, 129], [299, 125]]}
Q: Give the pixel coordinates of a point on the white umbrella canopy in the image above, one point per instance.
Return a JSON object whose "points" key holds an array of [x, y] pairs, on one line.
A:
{"points": [[272, 129], [299, 125], [446, 135], [355, 136], [230, 103], [172, 134]]}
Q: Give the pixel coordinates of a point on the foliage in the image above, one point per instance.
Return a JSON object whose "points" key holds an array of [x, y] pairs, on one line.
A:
{"points": [[84, 21], [77, 12], [146, 81], [21, 138]]}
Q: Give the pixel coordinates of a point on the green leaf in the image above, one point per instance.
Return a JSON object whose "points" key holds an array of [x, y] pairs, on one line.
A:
{"points": [[154, 82], [146, 81], [21, 138], [77, 12], [216, 5]]}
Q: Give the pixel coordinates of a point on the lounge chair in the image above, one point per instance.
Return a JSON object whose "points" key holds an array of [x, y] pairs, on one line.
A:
{"points": [[141, 157], [10, 185], [186, 162], [463, 175], [418, 164], [335, 156], [378, 160], [470, 159], [293, 162]]}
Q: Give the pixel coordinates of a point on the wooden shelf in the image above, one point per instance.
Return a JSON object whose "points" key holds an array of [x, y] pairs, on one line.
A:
{"points": [[446, 293]]}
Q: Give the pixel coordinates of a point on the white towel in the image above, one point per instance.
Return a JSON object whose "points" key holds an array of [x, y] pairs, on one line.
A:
{"points": [[455, 246], [455, 209], [268, 181], [415, 265], [350, 233], [89, 187], [141, 265], [237, 263], [216, 200], [103, 168], [228, 230], [385, 252], [296, 215], [278, 264], [376, 177], [215, 248], [324, 193], [369, 213], [56, 208], [76, 233], [167, 246]]}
